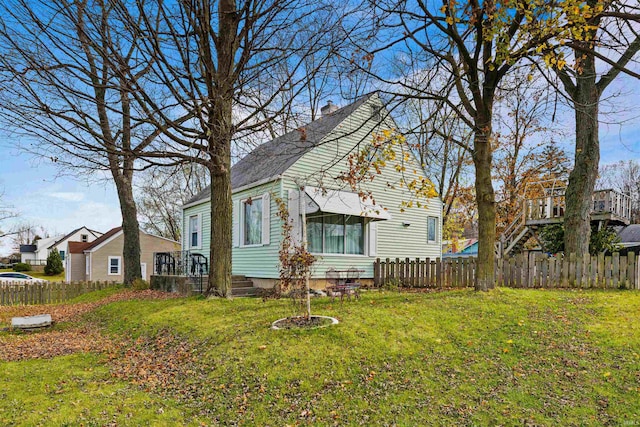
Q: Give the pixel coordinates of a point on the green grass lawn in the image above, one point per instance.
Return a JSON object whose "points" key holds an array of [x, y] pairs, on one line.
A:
{"points": [[507, 357]]}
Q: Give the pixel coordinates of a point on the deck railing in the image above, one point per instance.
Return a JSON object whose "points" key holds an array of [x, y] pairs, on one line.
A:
{"points": [[181, 263], [552, 207]]}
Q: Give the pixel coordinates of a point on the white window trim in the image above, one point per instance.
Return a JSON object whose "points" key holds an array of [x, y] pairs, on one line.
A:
{"points": [[119, 258], [87, 260], [144, 276], [241, 225], [199, 245], [436, 230]]}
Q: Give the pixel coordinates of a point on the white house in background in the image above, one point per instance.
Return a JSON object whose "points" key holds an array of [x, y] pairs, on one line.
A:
{"points": [[37, 253], [82, 234]]}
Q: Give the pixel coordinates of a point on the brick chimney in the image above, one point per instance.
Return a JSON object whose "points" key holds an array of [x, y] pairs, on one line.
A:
{"points": [[328, 109]]}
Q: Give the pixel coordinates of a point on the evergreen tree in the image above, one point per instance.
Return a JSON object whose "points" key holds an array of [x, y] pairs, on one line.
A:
{"points": [[54, 263]]}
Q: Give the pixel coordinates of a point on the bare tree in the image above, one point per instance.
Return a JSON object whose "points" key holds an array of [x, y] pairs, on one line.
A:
{"points": [[523, 135], [161, 193], [440, 140], [610, 40], [27, 234], [64, 68], [6, 212], [458, 53], [623, 176], [218, 62]]}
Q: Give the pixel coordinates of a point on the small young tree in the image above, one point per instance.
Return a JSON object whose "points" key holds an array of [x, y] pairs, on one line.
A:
{"points": [[295, 264], [54, 263]]}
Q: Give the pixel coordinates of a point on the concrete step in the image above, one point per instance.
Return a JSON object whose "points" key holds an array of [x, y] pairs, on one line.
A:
{"points": [[238, 278], [244, 292], [241, 284]]}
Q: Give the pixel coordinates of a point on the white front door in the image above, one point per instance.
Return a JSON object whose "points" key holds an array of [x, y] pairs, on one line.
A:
{"points": [[143, 270]]}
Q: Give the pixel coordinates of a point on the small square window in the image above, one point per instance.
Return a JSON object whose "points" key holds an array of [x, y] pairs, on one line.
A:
{"points": [[84, 237]]}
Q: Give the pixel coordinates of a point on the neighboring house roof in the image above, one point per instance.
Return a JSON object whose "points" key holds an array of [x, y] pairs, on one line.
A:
{"points": [[62, 239], [78, 247], [273, 158], [114, 232], [630, 235], [106, 236], [461, 246], [28, 248], [471, 249]]}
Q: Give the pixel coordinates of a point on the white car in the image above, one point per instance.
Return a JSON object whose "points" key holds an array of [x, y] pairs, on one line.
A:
{"points": [[18, 278]]}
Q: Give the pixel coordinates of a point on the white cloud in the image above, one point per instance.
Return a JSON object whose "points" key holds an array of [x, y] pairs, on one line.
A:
{"points": [[68, 196]]}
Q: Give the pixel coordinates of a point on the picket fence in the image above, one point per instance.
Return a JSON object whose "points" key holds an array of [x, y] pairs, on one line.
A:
{"points": [[537, 270], [46, 293], [529, 270], [425, 273]]}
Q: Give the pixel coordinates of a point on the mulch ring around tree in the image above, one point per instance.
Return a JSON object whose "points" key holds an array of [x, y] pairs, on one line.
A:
{"points": [[304, 322]]}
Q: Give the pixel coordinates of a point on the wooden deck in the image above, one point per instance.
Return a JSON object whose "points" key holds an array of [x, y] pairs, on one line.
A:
{"points": [[609, 206]]}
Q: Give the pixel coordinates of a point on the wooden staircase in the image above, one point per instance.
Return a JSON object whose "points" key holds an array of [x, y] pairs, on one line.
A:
{"points": [[608, 207], [516, 235]]}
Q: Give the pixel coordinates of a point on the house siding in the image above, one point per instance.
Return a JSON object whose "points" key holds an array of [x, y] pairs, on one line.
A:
{"points": [[78, 268], [393, 238], [255, 261], [148, 245], [319, 168]]}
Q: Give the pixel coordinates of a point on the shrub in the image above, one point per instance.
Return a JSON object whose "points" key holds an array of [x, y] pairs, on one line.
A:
{"points": [[22, 266], [54, 263]]}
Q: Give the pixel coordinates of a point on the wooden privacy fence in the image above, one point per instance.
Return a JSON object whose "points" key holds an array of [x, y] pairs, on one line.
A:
{"points": [[535, 270], [47, 292], [425, 273], [532, 270]]}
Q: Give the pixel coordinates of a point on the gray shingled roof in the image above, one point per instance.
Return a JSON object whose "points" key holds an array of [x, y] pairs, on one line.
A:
{"points": [[273, 158], [630, 233]]}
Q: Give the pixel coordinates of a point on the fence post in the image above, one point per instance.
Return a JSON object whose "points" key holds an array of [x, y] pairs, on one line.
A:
{"points": [[376, 272], [623, 273], [615, 274], [631, 270]]}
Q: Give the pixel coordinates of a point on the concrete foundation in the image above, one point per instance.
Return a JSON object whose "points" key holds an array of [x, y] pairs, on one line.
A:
{"points": [[178, 284]]}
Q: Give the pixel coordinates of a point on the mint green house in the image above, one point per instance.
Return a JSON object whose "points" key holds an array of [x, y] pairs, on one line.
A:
{"points": [[302, 167]]}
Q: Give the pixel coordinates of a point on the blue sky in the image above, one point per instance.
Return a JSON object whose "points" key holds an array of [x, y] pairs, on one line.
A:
{"points": [[61, 204]]}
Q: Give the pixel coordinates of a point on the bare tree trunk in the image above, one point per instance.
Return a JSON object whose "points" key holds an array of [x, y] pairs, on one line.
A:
{"points": [[130, 228], [482, 158], [221, 228], [587, 157]]}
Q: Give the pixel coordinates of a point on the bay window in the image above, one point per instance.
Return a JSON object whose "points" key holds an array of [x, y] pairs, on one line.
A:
{"points": [[335, 234]]}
